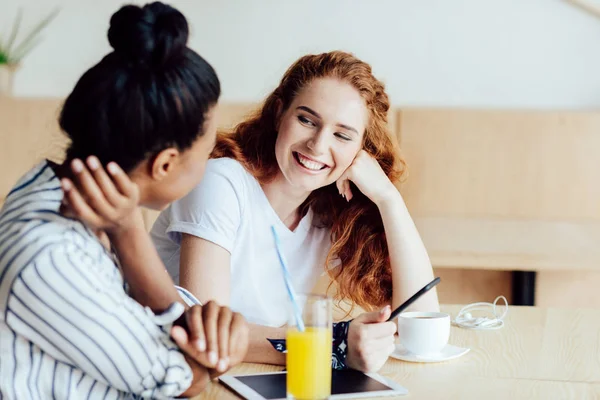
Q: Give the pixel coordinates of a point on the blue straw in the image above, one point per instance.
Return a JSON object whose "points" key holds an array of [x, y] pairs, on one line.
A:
{"points": [[288, 281]]}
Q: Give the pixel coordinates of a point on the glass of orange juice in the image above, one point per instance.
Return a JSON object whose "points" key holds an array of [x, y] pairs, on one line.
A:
{"points": [[309, 352]]}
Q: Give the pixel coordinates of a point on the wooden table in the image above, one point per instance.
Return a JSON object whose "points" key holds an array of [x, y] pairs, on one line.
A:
{"points": [[539, 354]]}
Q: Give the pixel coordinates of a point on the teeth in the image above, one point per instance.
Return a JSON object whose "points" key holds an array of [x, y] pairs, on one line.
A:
{"points": [[310, 164]]}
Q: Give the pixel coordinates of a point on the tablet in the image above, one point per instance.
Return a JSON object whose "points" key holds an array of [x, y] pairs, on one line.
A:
{"points": [[345, 384]]}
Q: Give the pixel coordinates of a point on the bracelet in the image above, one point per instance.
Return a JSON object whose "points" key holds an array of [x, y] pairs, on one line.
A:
{"points": [[339, 345]]}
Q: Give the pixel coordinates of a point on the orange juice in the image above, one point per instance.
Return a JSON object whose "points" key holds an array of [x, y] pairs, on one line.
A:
{"points": [[309, 363]]}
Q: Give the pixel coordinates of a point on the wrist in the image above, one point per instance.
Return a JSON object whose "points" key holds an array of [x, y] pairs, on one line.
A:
{"points": [[389, 196], [340, 345], [201, 376], [130, 225]]}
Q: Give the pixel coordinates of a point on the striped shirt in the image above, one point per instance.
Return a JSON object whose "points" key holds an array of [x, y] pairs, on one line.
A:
{"points": [[68, 329]]}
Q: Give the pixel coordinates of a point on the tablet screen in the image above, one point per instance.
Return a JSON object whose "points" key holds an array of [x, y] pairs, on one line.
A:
{"points": [[273, 386]]}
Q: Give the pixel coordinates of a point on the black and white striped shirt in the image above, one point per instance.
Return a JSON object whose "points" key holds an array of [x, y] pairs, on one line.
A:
{"points": [[68, 329]]}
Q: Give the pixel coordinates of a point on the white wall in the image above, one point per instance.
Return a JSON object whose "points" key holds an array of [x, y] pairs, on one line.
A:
{"points": [[477, 53]]}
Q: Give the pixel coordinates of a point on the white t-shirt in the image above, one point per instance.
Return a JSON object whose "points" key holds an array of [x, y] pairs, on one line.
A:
{"points": [[230, 209]]}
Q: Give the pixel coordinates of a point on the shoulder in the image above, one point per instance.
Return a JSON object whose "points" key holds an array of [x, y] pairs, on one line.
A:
{"points": [[224, 186], [229, 168], [61, 235], [223, 178], [43, 248]]}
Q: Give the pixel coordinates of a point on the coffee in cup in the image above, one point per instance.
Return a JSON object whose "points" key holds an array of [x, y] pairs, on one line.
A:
{"points": [[424, 333]]}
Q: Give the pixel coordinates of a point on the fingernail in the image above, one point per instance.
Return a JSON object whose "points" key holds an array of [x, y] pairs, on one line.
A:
{"points": [[66, 185], [77, 166], [201, 345], [93, 163], [222, 366], [212, 358], [112, 168]]}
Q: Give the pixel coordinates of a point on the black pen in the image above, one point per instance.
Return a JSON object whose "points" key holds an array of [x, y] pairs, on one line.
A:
{"points": [[414, 297]]}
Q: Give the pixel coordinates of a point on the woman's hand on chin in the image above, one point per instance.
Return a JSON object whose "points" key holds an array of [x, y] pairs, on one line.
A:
{"points": [[368, 176]]}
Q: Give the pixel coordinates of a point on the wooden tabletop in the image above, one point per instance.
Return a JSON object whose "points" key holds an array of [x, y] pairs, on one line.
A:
{"points": [[539, 354]]}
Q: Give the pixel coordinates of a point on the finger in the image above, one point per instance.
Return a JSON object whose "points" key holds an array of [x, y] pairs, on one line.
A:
{"points": [[382, 344], [187, 341], [125, 186], [210, 314], [105, 182], [65, 207], [194, 344], [89, 189], [375, 316], [180, 337], [347, 190], [385, 313], [382, 352], [224, 331], [78, 207], [340, 183], [380, 330], [196, 328]]}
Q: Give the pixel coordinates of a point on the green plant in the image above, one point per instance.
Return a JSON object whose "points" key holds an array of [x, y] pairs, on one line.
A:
{"points": [[12, 52]]}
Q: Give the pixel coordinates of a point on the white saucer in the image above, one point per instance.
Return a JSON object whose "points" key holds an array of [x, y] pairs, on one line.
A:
{"points": [[449, 352]]}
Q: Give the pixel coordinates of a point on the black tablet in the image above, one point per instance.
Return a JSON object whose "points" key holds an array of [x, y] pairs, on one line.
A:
{"points": [[346, 384]]}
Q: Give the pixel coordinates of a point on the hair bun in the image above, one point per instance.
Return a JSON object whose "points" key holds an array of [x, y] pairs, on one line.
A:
{"points": [[149, 36]]}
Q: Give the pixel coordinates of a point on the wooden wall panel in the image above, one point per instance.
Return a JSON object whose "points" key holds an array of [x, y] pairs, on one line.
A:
{"points": [[29, 132], [530, 165], [504, 189]]}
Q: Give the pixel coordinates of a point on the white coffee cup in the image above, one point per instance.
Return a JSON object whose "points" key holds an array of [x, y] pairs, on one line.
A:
{"points": [[424, 333]]}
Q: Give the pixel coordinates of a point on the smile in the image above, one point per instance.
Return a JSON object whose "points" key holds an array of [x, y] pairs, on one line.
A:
{"points": [[308, 163]]}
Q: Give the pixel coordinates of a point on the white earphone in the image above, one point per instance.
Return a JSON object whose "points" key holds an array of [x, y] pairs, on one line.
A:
{"points": [[465, 319]]}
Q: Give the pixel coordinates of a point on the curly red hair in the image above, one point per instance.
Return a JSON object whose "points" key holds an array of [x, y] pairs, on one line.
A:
{"points": [[357, 234]]}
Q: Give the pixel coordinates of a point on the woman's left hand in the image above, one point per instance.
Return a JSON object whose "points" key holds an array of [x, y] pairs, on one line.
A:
{"points": [[366, 173]]}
